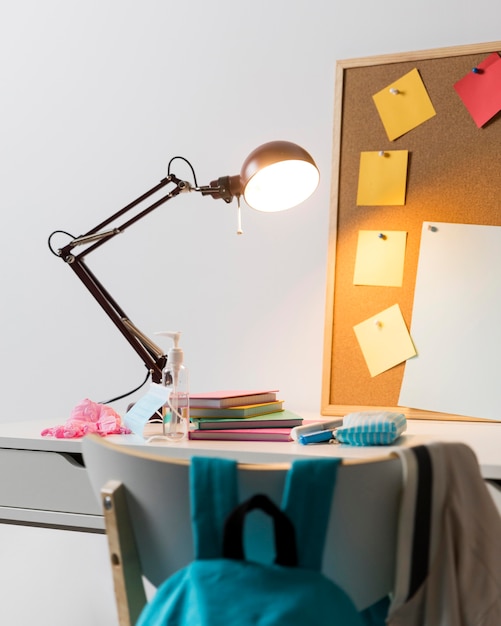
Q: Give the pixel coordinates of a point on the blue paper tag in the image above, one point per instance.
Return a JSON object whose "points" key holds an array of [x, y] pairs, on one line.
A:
{"points": [[137, 417]]}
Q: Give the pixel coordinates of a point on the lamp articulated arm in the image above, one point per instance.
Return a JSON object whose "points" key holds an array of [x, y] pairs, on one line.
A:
{"points": [[261, 193], [151, 355]]}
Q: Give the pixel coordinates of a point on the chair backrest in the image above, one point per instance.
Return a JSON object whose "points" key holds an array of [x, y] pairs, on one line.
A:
{"points": [[145, 497]]}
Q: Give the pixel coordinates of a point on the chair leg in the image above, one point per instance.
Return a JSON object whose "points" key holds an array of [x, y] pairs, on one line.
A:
{"points": [[126, 568]]}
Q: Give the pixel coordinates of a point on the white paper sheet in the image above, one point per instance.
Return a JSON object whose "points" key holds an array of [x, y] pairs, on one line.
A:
{"points": [[456, 322]]}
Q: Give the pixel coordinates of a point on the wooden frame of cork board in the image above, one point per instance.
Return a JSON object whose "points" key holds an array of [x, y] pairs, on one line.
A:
{"points": [[453, 176]]}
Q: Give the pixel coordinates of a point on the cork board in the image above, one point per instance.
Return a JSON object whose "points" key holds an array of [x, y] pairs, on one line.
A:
{"points": [[453, 176]]}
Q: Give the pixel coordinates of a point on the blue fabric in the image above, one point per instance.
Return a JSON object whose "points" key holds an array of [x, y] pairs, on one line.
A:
{"points": [[371, 428], [308, 488], [213, 494], [216, 591], [219, 592]]}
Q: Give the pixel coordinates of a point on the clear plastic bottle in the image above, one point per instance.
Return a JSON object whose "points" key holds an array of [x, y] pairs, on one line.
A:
{"points": [[176, 411]]}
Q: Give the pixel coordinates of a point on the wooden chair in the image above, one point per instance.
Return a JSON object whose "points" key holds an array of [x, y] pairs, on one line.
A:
{"points": [[145, 497]]}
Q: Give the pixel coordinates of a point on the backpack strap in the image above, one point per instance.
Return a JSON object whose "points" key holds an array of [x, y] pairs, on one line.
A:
{"points": [[307, 500], [213, 495], [284, 532]]}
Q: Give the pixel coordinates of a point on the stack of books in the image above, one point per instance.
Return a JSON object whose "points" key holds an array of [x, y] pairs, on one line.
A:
{"points": [[254, 415]]}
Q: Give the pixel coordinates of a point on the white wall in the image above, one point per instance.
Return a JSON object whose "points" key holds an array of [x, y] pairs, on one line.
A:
{"points": [[96, 97]]}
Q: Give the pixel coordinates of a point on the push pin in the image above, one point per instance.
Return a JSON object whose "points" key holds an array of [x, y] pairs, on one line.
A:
{"points": [[381, 153], [378, 324], [432, 229], [394, 91], [382, 236], [476, 70]]}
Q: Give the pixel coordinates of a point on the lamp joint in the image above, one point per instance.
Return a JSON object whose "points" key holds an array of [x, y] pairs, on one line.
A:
{"points": [[225, 188]]}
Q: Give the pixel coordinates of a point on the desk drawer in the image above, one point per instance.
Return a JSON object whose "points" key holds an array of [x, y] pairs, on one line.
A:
{"points": [[45, 481]]}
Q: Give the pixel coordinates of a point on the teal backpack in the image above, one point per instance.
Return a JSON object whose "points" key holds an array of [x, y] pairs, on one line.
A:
{"points": [[222, 586]]}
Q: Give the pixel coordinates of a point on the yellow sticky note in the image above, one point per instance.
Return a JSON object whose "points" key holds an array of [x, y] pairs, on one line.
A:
{"points": [[382, 178], [384, 340], [380, 258], [403, 105]]}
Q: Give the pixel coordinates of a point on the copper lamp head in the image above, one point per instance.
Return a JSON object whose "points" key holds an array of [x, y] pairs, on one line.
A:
{"points": [[277, 176]]}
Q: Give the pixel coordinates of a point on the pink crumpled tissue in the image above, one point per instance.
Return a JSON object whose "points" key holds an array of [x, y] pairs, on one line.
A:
{"points": [[88, 417]]}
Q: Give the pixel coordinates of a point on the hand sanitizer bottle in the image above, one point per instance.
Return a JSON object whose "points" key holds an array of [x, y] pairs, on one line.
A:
{"points": [[176, 411]]}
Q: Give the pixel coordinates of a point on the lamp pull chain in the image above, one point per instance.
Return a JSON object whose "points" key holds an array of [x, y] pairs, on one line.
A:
{"points": [[239, 218]]}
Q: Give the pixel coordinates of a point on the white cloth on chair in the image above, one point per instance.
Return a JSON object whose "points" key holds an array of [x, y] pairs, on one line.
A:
{"points": [[448, 570]]}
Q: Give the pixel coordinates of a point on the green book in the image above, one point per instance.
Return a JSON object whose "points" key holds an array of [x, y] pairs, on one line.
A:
{"points": [[279, 419], [247, 410]]}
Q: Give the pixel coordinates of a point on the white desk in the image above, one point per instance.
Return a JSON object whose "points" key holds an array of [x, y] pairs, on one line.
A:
{"points": [[484, 438], [51, 528], [48, 485], [51, 525]]}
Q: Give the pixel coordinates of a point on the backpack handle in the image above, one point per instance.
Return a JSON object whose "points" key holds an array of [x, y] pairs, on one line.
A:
{"points": [[285, 535]]}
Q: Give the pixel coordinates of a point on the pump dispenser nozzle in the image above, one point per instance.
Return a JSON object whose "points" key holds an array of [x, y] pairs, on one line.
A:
{"points": [[173, 334], [175, 355], [176, 411]]}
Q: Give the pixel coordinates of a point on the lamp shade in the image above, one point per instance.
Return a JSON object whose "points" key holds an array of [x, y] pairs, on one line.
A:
{"points": [[277, 176]]}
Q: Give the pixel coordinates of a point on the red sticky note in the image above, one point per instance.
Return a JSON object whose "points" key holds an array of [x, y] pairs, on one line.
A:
{"points": [[480, 90]]}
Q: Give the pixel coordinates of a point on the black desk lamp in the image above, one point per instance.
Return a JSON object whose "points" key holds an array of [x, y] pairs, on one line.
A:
{"points": [[276, 176]]}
